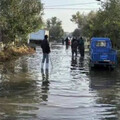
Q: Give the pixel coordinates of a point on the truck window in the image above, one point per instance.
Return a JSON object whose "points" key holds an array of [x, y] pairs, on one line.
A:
{"points": [[101, 44]]}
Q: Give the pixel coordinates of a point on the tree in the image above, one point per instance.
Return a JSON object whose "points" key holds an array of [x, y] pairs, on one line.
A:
{"points": [[104, 23], [76, 32], [79, 19], [55, 27], [18, 18]]}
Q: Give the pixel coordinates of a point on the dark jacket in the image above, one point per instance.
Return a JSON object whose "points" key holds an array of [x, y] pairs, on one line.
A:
{"points": [[74, 44], [45, 46], [81, 42]]}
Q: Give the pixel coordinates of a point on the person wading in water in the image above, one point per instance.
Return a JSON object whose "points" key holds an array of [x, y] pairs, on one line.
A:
{"points": [[81, 46], [46, 50], [74, 46]]}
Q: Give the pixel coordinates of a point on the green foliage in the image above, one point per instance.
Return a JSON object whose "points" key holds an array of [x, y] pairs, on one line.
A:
{"points": [[76, 33], [55, 27], [18, 18], [79, 19], [104, 23]]}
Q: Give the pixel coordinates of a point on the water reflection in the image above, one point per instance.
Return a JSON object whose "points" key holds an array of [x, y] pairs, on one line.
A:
{"points": [[69, 92], [104, 82], [81, 62], [102, 78], [45, 84], [20, 94], [74, 61], [77, 63], [5, 69]]}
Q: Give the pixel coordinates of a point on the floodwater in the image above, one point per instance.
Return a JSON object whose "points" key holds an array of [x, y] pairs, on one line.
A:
{"points": [[72, 93]]}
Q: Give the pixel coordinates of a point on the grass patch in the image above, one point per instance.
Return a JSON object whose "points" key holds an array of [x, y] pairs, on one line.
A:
{"points": [[14, 52]]}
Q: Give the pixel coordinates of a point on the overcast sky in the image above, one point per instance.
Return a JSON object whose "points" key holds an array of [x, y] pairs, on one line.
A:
{"points": [[66, 9]]}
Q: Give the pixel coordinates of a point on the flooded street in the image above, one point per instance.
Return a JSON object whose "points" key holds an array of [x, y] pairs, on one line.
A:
{"points": [[73, 92]]}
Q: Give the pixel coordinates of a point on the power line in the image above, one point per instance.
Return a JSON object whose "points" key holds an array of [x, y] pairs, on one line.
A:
{"points": [[71, 4], [72, 8]]}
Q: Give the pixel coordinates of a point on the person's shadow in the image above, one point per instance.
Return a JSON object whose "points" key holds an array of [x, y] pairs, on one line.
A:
{"points": [[81, 62], [45, 75], [45, 85], [74, 61]]}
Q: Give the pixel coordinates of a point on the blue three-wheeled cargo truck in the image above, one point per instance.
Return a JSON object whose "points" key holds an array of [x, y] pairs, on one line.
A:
{"points": [[102, 53]]}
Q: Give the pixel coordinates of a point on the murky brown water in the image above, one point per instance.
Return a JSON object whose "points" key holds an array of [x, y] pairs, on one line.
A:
{"points": [[73, 92]]}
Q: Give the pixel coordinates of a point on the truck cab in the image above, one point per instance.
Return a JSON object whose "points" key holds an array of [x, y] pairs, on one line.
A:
{"points": [[102, 53]]}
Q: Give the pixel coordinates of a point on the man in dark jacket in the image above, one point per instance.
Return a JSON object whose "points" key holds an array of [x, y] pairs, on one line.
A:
{"points": [[81, 46], [46, 50], [74, 46]]}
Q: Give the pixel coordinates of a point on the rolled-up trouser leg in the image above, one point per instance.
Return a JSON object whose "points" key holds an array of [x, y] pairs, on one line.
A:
{"points": [[47, 61], [76, 52], [43, 60], [79, 51]]}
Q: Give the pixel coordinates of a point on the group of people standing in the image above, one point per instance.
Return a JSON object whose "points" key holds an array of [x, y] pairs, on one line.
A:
{"points": [[77, 45]]}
